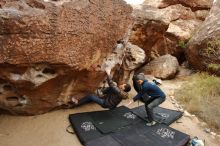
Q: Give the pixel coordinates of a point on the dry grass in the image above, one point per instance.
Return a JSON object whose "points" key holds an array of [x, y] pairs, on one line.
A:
{"points": [[201, 96]]}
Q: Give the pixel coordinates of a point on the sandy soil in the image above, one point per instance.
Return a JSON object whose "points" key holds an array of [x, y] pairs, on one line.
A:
{"points": [[49, 129]]}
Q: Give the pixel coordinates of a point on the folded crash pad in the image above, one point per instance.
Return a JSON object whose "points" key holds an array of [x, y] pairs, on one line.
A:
{"points": [[83, 126], [107, 140], [161, 115], [157, 135], [112, 120], [92, 125]]}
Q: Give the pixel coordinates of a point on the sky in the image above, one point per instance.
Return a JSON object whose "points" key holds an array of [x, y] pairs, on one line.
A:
{"points": [[134, 2]]}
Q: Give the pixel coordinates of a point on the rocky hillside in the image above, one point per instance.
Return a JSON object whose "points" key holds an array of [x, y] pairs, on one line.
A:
{"points": [[203, 52], [165, 26]]}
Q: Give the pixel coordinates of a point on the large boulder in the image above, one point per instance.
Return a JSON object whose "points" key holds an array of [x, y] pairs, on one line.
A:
{"points": [[55, 49], [164, 67], [203, 50], [164, 27]]}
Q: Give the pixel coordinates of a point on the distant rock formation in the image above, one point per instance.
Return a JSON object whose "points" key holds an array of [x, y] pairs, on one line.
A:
{"points": [[203, 50], [165, 26], [193, 4]]}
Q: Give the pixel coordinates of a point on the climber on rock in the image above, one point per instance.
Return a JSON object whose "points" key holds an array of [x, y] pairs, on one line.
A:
{"points": [[111, 97]]}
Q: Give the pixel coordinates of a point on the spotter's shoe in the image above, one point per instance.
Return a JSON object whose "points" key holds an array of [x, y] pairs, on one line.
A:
{"points": [[151, 123]]}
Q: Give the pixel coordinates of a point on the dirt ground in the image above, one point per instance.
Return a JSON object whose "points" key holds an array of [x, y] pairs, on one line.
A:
{"points": [[49, 129]]}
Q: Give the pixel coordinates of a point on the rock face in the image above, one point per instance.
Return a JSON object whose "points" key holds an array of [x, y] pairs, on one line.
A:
{"points": [[164, 26], [52, 50], [203, 50], [164, 67], [133, 58]]}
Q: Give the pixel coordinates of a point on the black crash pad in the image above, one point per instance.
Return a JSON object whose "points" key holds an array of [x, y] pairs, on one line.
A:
{"points": [[157, 135], [107, 140], [112, 120], [92, 125], [121, 127], [83, 126], [162, 115]]}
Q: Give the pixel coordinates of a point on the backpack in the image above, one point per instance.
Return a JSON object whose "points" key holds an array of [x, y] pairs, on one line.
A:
{"points": [[196, 142]]}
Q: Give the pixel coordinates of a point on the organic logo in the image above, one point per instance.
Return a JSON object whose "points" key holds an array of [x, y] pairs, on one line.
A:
{"points": [[166, 133], [130, 115], [88, 126]]}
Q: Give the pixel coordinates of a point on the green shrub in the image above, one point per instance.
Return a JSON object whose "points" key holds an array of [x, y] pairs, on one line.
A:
{"points": [[201, 96], [214, 67], [211, 48], [182, 44]]}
